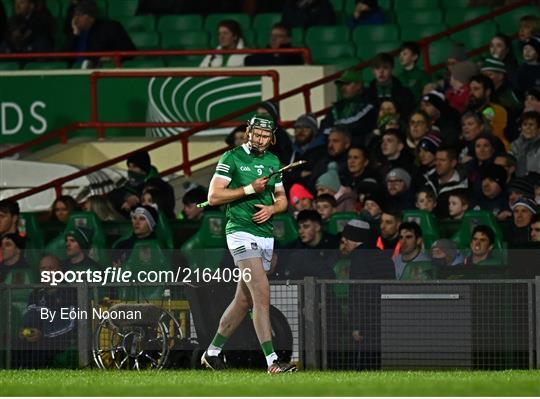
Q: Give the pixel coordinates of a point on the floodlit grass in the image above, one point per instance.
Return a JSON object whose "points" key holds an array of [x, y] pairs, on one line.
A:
{"points": [[258, 383]]}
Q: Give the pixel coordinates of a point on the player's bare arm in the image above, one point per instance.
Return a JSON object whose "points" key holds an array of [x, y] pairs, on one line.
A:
{"points": [[219, 194]]}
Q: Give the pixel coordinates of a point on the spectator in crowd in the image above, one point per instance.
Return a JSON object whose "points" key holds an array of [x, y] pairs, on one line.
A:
{"points": [[237, 136], [426, 199], [154, 196], [230, 37], [500, 48], [472, 125], [503, 93], [493, 197], [353, 110], [526, 148], [419, 127], [29, 30], [282, 147], [308, 145], [482, 243], [9, 217], [389, 238], [329, 183], [78, 243], [426, 150], [366, 12], [314, 253], [528, 73], [300, 198], [535, 229], [485, 151], [518, 232], [372, 210], [102, 207], [459, 92], [482, 90], [532, 99], [91, 33], [143, 223], [62, 208], [458, 203], [280, 38], [385, 84], [358, 241], [508, 162], [412, 76], [360, 177], [191, 198], [443, 116], [325, 205], [410, 247], [339, 142], [444, 253], [398, 189], [165, 199], [12, 245], [529, 25], [307, 13], [394, 153], [519, 187], [445, 178]]}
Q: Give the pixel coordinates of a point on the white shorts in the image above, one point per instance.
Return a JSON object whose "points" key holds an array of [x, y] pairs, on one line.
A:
{"points": [[244, 245]]}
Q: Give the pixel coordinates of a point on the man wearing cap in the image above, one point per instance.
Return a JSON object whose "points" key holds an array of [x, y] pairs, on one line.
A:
{"points": [[426, 149], [12, 246], [90, 33], [78, 242], [445, 178], [523, 210], [503, 94], [528, 73], [143, 223], [353, 109], [443, 116], [399, 194], [444, 253], [241, 181], [459, 92], [493, 198], [313, 253]]}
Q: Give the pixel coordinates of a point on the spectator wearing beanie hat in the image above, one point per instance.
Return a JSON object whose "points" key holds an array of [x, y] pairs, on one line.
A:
{"points": [[143, 224], [442, 115], [300, 198], [503, 94], [528, 73], [78, 242], [444, 253], [426, 150], [523, 211], [12, 246], [398, 189], [329, 183], [459, 92], [494, 197]]}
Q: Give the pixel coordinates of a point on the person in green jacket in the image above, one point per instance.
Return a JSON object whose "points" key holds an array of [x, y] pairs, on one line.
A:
{"points": [[411, 75]]}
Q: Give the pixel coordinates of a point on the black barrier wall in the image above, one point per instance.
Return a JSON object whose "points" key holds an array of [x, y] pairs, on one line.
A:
{"points": [[320, 324]]}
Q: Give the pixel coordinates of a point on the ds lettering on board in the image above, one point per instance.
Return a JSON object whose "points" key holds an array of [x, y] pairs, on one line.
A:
{"points": [[15, 117]]}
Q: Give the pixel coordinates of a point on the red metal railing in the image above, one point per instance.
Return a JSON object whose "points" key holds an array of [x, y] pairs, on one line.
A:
{"points": [[64, 132], [305, 90], [118, 56]]}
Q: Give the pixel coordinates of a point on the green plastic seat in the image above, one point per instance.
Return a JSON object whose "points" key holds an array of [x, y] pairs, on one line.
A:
{"points": [[455, 4], [147, 256], [103, 7], [262, 38], [404, 5], [470, 220], [205, 248], [458, 16], [164, 232], [426, 221], [438, 51], [55, 8], [345, 62], [212, 21], [138, 23], [121, 8], [367, 50], [146, 40], [144, 63], [30, 228], [509, 22], [9, 66], [328, 53], [338, 221], [317, 35], [187, 22], [349, 6], [413, 18], [476, 36], [186, 40], [43, 65], [338, 5], [285, 230], [297, 35], [415, 33], [265, 20], [375, 33], [417, 271]]}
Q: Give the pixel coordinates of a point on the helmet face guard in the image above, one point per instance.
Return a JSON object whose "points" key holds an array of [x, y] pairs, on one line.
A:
{"points": [[261, 122]]}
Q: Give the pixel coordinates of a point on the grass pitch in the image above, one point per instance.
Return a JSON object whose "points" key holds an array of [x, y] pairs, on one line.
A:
{"points": [[258, 383]]}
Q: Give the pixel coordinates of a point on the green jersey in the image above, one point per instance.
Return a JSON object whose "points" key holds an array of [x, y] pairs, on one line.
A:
{"points": [[241, 168]]}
